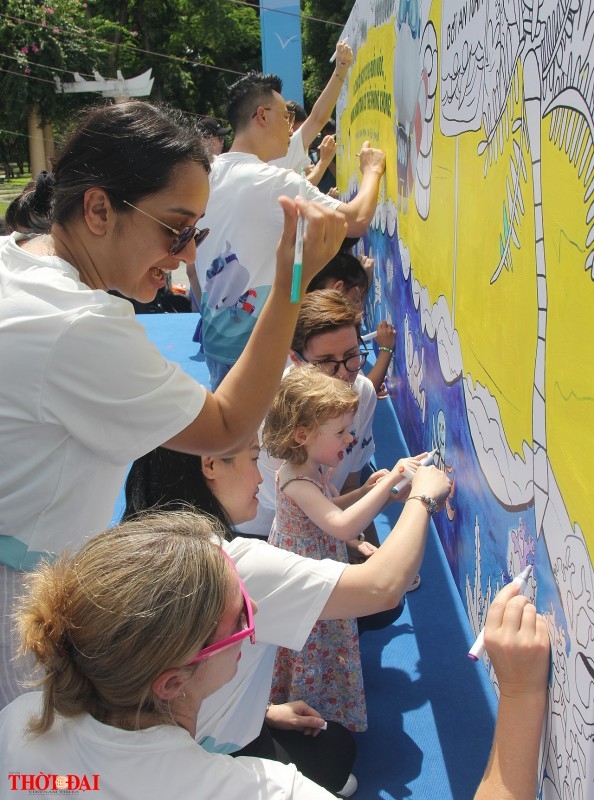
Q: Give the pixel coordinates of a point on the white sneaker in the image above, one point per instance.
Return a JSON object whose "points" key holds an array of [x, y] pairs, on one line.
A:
{"points": [[350, 787]]}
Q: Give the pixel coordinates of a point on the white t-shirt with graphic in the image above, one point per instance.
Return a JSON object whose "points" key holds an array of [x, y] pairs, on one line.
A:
{"points": [[236, 263]]}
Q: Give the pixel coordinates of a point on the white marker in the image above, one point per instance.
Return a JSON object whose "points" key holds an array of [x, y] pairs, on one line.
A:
{"points": [[367, 337], [409, 474], [478, 648], [324, 726], [333, 56]]}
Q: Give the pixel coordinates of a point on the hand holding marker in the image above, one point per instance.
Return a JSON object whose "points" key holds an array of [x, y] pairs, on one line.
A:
{"points": [[478, 648], [333, 56], [298, 263], [408, 475]]}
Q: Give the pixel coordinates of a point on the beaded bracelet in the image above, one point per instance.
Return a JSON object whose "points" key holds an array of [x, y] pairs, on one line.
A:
{"points": [[386, 349]]}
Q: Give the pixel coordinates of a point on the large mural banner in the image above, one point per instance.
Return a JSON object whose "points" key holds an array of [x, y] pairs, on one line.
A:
{"points": [[484, 261]]}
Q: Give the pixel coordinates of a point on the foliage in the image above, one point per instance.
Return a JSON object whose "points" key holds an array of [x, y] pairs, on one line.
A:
{"points": [[179, 39], [40, 40], [194, 47], [319, 42]]}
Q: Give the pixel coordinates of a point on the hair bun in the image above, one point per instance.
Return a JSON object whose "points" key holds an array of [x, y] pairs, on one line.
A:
{"points": [[45, 183], [44, 620]]}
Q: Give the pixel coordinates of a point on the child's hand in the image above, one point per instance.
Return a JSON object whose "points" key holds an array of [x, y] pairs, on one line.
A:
{"points": [[296, 715], [366, 549], [358, 551], [405, 468], [375, 477], [432, 482]]}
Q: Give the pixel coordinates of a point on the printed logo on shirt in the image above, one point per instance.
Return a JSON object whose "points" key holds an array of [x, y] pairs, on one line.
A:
{"points": [[365, 442], [47, 783]]}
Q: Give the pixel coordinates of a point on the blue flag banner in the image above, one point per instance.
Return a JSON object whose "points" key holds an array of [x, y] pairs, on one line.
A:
{"points": [[280, 23]]}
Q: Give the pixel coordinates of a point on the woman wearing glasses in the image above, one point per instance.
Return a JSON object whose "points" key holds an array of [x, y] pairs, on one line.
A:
{"points": [[146, 622], [83, 392]]}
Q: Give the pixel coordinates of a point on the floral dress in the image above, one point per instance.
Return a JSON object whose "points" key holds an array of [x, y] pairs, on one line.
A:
{"points": [[327, 672]]}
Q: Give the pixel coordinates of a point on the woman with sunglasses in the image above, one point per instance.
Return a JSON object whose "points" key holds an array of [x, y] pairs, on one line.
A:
{"points": [[148, 620], [83, 391]]}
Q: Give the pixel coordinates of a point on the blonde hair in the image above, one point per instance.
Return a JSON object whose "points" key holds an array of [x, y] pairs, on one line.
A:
{"points": [[306, 398], [105, 622]]}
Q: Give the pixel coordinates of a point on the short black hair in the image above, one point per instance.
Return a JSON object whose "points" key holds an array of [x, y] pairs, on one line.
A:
{"points": [[343, 267], [246, 94], [299, 111]]}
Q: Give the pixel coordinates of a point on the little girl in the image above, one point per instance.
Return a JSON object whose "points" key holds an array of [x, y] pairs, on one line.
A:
{"points": [[308, 427]]}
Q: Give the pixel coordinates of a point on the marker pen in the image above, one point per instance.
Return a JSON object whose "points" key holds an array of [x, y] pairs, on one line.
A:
{"points": [[298, 263], [478, 648], [409, 474], [367, 337], [333, 56]]}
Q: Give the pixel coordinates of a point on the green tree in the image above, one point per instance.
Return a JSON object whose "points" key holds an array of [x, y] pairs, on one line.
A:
{"points": [[319, 41], [194, 47], [39, 41]]}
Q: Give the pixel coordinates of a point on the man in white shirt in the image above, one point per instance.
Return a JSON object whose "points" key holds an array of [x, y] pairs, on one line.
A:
{"points": [[306, 128], [236, 262]]}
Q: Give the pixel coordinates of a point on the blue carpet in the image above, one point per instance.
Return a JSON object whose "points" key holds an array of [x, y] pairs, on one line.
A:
{"points": [[431, 710]]}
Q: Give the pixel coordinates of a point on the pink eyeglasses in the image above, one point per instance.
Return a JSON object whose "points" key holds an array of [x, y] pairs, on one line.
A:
{"points": [[248, 628]]}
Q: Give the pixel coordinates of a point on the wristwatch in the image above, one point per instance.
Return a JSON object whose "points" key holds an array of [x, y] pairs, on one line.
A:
{"points": [[429, 503]]}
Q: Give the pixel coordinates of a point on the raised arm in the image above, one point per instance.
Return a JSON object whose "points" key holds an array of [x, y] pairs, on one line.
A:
{"points": [[230, 415], [380, 582], [324, 105], [518, 644], [386, 340], [327, 150]]}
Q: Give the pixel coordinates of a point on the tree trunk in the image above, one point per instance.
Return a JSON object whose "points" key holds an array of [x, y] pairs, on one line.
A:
{"points": [[36, 146]]}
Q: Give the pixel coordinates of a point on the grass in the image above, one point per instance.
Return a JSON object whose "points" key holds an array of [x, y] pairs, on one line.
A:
{"points": [[11, 188]]}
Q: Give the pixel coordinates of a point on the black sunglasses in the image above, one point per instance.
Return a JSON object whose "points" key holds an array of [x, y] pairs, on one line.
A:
{"points": [[181, 237]]}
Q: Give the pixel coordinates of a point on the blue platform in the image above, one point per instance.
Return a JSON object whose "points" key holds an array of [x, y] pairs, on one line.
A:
{"points": [[431, 710]]}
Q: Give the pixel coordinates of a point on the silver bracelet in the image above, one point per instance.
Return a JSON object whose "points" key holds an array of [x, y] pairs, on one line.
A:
{"points": [[429, 503]]}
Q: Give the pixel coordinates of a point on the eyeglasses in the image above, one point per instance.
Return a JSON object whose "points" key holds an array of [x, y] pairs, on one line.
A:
{"points": [[288, 115], [248, 628], [181, 237], [331, 366]]}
